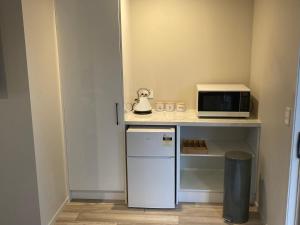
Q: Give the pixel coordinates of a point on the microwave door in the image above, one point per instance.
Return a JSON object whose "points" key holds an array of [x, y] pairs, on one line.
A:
{"points": [[232, 101], [219, 101]]}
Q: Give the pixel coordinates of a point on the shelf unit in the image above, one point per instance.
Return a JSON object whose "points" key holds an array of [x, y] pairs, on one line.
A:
{"points": [[202, 175], [200, 178], [219, 148]]}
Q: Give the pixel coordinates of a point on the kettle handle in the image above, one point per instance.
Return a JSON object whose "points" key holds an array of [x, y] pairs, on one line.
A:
{"points": [[136, 101]]}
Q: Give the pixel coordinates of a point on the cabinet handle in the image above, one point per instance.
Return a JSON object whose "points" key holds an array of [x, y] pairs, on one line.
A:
{"points": [[298, 146], [117, 114]]}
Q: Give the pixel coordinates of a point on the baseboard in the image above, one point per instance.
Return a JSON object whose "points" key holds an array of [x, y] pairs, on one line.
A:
{"points": [[200, 196], [52, 221], [100, 195], [205, 196]]}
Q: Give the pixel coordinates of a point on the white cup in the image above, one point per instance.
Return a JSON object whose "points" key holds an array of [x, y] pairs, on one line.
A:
{"points": [[180, 107], [159, 106], [170, 106]]}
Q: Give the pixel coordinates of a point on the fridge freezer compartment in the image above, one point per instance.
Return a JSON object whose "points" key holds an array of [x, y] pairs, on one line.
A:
{"points": [[151, 142]]}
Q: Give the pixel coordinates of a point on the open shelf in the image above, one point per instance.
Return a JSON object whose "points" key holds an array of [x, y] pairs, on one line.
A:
{"points": [[219, 148], [201, 176], [202, 180]]}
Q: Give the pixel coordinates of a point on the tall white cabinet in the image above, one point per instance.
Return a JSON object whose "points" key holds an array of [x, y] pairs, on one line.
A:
{"points": [[91, 70]]}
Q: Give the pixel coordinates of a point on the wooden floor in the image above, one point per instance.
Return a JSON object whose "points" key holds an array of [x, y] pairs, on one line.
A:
{"points": [[117, 213]]}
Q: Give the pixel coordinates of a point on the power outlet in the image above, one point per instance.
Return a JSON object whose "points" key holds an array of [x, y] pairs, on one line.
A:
{"points": [[287, 116], [151, 96]]}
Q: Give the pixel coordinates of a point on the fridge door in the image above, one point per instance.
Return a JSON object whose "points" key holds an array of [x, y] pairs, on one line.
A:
{"points": [[151, 182], [150, 141]]}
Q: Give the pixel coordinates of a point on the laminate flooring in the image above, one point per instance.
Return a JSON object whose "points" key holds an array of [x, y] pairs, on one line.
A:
{"points": [[117, 213]]}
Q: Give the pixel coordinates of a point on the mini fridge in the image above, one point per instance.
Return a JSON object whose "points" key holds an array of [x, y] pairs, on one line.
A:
{"points": [[151, 167]]}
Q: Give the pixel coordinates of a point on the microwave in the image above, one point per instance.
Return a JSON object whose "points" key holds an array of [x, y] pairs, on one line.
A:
{"points": [[223, 100]]}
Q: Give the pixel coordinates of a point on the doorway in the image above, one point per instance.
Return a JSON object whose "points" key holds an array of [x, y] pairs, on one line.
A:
{"points": [[293, 203]]}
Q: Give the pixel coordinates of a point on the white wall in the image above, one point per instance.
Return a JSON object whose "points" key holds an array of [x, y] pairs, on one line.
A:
{"points": [[276, 43], [18, 186], [176, 44], [44, 85], [126, 49]]}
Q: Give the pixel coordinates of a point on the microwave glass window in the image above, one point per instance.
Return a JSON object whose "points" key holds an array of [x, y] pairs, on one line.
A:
{"points": [[245, 102], [219, 101]]}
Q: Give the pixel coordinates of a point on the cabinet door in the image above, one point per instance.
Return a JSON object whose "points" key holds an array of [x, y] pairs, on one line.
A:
{"points": [[90, 66]]}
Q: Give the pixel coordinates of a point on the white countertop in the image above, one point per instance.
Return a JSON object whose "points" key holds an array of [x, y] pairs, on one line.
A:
{"points": [[188, 118]]}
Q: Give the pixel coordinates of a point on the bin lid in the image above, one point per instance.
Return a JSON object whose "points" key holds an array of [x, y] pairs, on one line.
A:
{"points": [[238, 155]]}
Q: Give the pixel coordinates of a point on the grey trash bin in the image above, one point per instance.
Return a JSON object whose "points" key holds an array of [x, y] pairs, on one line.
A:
{"points": [[237, 180]]}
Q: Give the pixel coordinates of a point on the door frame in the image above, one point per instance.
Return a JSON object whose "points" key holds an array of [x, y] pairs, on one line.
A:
{"points": [[293, 199]]}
